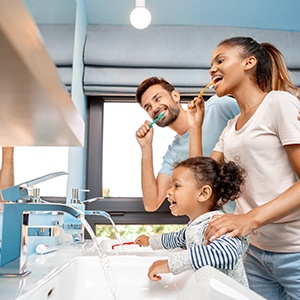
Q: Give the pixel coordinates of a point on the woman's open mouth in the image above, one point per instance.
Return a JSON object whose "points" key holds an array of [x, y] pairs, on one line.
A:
{"points": [[217, 79]]}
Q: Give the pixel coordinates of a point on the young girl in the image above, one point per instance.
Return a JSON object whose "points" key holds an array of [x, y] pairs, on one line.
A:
{"points": [[265, 139], [199, 188]]}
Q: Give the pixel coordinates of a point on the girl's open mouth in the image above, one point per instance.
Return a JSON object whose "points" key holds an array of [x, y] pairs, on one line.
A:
{"points": [[172, 204]]}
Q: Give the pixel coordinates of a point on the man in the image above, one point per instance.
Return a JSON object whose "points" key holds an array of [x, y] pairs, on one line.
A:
{"points": [[156, 95], [7, 169]]}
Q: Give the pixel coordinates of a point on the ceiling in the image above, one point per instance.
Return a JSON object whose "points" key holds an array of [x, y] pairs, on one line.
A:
{"points": [[268, 14]]}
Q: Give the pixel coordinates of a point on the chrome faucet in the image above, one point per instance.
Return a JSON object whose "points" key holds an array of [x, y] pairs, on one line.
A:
{"points": [[75, 227], [13, 260]]}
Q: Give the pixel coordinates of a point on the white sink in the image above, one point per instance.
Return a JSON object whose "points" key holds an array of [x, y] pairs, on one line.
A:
{"points": [[84, 278]]}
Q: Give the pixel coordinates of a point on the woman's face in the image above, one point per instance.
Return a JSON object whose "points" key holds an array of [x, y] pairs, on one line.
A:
{"points": [[227, 69], [183, 193]]}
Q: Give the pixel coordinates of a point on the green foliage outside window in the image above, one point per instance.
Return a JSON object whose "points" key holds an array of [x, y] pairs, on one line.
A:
{"points": [[131, 232]]}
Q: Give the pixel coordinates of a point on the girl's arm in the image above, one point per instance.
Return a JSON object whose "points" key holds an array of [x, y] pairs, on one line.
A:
{"points": [[223, 253], [167, 241], [174, 240]]}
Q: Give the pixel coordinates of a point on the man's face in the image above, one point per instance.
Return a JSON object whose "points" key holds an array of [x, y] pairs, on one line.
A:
{"points": [[157, 100]]}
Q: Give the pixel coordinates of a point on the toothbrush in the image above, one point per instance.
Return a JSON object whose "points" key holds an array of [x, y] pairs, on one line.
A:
{"points": [[125, 243], [156, 119], [210, 85]]}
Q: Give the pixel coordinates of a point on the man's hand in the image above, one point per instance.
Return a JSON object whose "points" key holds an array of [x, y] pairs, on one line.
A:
{"points": [[158, 267], [144, 134]]}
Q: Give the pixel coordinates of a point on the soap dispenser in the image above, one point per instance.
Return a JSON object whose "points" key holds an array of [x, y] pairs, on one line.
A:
{"points": [[72, 225]]}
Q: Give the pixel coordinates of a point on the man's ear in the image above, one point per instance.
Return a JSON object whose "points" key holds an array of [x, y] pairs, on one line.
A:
{"points": [[205, 193], [176, 96], [250, 62]]}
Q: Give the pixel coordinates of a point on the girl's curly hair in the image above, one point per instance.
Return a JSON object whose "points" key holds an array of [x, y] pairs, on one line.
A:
{"points": [[226, 179]]}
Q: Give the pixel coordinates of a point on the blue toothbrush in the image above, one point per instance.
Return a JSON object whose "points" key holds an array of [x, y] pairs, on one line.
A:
{"points": [[156, 119]]}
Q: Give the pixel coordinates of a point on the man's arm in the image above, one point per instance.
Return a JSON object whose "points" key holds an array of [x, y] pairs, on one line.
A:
{"points": [[7, 168], [154, 189]]}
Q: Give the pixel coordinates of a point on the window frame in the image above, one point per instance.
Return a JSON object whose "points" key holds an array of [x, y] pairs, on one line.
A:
{"points": [[124, 210]]}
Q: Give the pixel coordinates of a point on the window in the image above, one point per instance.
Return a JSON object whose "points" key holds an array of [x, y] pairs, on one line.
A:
{"points": [[33, 162], [121, 151], [113, 162]]}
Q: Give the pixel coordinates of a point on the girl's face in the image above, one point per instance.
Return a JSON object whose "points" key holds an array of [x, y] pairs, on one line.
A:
{"points": [[227, 69], [183, 193]]}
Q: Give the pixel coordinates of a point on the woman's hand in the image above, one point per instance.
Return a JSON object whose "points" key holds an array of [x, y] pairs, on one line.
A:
{"points": [[142, 240], [158, 267], [230, 224], [195, 113]]}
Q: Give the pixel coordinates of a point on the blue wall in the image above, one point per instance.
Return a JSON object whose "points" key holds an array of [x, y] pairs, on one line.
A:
{"points": [[268, 14]]}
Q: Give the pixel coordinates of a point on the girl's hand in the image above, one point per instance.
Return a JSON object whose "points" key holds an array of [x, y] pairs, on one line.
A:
{"points": [[142, 240], [230, 224], [196, 113], [158, 267]]}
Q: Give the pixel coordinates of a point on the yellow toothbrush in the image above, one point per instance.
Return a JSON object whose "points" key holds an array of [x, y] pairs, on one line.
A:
{"points": [[211, 84]]}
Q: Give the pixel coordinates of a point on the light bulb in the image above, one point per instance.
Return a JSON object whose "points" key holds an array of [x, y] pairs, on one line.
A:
{"points": [[140, 17]]}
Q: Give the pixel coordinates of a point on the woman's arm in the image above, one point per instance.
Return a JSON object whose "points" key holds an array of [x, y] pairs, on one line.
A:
{"points": [[195, 119], [243, 224]]}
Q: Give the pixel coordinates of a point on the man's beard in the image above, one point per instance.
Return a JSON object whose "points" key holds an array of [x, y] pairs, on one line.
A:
{"points": [[173, 115]]}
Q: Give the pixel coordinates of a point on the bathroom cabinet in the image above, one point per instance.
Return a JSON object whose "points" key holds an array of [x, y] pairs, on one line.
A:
{"points": [[35, 107]]}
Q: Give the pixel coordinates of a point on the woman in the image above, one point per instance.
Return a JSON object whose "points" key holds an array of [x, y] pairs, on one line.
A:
{"points": [[265, 140]]}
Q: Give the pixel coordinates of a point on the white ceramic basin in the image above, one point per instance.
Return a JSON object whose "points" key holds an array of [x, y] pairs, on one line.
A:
{"points": [[112, 247], [83, 278]]}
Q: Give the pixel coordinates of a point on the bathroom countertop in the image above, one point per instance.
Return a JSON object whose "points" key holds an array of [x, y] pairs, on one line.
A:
{"points": [[42, 267], [54, 276]]}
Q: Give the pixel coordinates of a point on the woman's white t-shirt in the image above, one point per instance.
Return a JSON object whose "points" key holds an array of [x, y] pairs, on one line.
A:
{"points": [[258, 147]]}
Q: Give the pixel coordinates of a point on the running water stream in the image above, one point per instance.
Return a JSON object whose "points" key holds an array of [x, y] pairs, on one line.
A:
{"points": [[108, 271]]}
